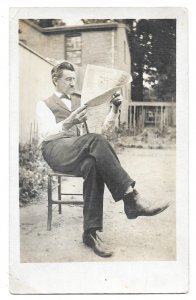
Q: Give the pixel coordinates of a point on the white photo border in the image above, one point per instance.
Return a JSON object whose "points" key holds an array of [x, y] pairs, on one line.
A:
{"points": [[122, 277]]}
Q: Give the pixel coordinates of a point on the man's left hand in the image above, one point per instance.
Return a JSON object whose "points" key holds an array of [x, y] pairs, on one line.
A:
{"points": [[117, 99]]}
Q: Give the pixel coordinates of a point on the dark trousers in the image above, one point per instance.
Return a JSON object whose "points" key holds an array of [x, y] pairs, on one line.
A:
{"points": [[93, 158]]}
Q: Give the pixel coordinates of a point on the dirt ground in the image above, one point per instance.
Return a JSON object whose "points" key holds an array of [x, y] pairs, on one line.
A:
{"points": [[142, 239]]}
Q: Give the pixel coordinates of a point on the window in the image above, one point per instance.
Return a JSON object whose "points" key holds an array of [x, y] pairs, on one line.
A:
{"points": [[73, 49]]}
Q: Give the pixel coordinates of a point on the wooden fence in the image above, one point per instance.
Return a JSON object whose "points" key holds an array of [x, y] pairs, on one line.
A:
{"points": [[151, 114]]}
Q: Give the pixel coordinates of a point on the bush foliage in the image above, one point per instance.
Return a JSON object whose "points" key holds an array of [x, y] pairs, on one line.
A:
{"points": [[32, 173]]}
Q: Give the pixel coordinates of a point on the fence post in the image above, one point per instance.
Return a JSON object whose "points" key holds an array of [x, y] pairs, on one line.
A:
{"points": [[161, 117], [134, 119]]}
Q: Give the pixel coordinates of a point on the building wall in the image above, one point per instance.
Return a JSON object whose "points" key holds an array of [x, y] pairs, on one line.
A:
{"points": [[47, 45], [122, 61], [35, 84], [97, 48], [122, 52]]}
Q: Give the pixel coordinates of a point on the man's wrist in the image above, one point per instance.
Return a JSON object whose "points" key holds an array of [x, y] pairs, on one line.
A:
{"points": [[68, 123], [115, 109]]}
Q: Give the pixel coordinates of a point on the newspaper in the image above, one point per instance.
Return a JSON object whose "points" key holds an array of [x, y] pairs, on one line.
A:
{"points": [[99, 85]]}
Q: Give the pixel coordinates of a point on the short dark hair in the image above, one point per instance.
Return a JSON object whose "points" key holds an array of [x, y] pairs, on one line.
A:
{"points": [[57, 70]]}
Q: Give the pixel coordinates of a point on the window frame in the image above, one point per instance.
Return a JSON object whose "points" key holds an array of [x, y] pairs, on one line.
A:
{"points": [[72, 35]]}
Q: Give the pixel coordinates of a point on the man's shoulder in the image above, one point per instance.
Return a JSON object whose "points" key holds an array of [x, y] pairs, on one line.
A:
{"points": [[49, 100], [46, 101], [51, 97]]}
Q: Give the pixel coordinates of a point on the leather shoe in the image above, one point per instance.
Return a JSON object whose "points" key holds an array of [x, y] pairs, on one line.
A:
{"points": [[95, 243], [134, 208]]}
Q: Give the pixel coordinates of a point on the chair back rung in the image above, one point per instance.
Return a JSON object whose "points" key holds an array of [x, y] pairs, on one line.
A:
{"points": [[67, 202], [72, 194]]}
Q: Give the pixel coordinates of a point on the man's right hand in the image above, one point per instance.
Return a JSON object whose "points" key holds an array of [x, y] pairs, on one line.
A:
{"points": [[78, 116]]}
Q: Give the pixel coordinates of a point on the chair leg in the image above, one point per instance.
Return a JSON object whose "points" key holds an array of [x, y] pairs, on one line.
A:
{"points": [[59, 192], [49, 221]]}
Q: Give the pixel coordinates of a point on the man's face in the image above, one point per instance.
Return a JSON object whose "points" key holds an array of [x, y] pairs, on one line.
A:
{"points": [[66, 84]]}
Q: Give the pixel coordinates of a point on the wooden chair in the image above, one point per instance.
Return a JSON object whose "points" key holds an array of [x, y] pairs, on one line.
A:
{"points": [[51, 187]]}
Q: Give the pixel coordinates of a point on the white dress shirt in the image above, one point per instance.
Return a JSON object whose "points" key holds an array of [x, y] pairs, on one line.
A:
{"points": [[50, 130]]}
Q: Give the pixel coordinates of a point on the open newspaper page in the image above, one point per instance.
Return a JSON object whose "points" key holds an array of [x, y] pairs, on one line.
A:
{"points": [[99, 85]]}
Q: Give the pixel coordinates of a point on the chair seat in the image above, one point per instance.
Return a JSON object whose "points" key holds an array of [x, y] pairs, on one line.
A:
{"points": [[53, 173]]}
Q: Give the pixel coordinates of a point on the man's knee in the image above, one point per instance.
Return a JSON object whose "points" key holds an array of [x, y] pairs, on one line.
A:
{"points": [[99, 138]]}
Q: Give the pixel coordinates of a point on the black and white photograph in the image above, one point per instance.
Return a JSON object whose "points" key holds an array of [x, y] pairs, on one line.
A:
{"points": [[99, 151]]}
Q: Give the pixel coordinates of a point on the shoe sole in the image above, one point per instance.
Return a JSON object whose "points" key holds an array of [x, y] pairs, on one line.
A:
{"points": [[103, 254], [97, 252]]}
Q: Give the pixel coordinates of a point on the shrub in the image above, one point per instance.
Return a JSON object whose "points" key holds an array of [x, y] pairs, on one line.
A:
{"points": [[32, 173]]}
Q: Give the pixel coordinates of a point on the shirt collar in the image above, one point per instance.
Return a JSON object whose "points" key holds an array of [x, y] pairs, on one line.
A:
{"points": [[60, 95]]}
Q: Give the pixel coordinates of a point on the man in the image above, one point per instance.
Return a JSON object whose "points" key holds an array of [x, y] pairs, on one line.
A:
{"points": [[89, 156]]}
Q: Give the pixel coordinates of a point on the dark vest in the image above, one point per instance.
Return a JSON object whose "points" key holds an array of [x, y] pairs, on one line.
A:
{"points": [[61, 112]]}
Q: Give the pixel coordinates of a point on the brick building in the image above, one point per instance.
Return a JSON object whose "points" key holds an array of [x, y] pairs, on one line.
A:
{"points": [[102, 44]]}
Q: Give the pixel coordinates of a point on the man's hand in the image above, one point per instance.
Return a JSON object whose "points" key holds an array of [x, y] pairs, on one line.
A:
{"points": [[117, 99], [77, 116], [116, 102]]}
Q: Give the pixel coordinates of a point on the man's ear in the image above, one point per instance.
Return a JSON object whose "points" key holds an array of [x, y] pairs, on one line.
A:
{"points": [[55, 79]]}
